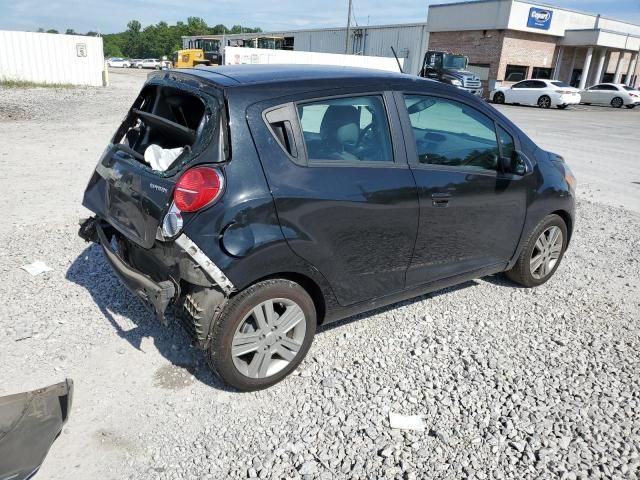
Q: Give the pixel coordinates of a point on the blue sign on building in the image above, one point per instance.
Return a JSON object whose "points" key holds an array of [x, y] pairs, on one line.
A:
{"points": [[539, 18]]}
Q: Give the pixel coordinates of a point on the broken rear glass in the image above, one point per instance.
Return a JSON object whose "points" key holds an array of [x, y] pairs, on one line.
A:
{"points": [[167, 126]]}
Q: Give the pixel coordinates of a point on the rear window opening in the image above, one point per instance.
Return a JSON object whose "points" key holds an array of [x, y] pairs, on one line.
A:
{"points": [[164, 127]]}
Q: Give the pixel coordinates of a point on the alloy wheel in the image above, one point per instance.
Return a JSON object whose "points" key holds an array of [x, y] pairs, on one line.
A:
{"points": [[616, 102], [544, 102], [546, 252], [268, 338]]}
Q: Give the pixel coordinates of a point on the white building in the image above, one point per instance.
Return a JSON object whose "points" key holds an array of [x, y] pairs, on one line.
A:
{"points": [[408, 40], [516, 39]]}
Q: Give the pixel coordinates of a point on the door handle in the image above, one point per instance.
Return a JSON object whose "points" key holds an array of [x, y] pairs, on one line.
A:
{"points": [[440, 199]]}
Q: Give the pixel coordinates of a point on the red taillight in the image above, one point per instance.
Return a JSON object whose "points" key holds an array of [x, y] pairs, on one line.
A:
{"points": [[197, 188]]}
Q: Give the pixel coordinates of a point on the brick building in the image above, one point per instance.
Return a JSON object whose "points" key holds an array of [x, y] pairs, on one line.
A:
{"points": [[510, 40]]}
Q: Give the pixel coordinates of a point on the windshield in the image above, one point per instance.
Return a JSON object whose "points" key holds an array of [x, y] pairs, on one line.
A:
{"points": [[455, 62], [561, 84], [207, 45]]}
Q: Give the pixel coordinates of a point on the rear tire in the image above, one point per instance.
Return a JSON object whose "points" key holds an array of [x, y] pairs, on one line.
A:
{"points": [[542, 253], [617, 102], [262, 334], [544, 101], [498, 98]]}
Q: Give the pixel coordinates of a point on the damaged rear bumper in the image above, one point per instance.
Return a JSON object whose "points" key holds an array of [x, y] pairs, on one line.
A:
{"points": [[169, 272], [157, 295]]}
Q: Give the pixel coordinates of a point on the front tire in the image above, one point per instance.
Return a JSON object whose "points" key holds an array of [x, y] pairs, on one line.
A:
{"points": [[544, 101], [262, 334], [617, 102], [498, 98], [542, 253]]}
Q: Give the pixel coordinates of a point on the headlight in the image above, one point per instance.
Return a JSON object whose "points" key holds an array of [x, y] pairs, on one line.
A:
{"points": [[457, 83]]}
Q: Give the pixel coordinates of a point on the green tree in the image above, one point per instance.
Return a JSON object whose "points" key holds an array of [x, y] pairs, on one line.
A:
{"points": [[133, 46], [111, 47], [70, 31], [197, 26], [159, 39], [52, 30], [134, 26], [219, 29]]}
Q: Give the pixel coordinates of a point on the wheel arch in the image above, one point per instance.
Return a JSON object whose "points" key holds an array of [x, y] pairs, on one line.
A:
{"points": [[308, 284], [568, 221]]}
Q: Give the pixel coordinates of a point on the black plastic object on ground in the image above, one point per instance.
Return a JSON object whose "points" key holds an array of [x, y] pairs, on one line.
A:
{"points": [[29, 424]]}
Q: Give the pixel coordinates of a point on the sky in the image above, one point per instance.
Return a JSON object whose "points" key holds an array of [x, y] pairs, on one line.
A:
{"points": [[112, 16]]}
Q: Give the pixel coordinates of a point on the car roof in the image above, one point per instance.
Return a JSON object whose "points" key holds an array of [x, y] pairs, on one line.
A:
{"points": [[236, 75]]}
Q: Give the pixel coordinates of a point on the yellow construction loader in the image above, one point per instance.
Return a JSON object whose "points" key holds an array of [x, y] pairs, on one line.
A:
{"points": [[200, 51]]}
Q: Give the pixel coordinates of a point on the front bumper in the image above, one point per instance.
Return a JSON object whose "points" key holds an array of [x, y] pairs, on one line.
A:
{"points": [[473, 91], [157, 295]]}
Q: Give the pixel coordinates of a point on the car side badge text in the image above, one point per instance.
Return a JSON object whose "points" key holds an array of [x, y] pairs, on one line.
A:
{"points": [[153, 186]]}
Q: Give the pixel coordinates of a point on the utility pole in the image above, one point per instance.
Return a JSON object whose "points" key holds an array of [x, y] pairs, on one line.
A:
{"points": [[346, 42]]}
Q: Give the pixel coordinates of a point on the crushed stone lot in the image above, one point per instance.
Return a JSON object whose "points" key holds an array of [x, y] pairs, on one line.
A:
{"points": [[512, 382]]}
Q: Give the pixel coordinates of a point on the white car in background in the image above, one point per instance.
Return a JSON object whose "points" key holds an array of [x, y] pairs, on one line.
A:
{"points": [[614, 94], [118, 63], [543, 93], [149, 63]]}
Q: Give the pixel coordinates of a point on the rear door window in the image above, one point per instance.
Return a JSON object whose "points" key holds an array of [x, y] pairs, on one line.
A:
{"points": [[346, 129]]}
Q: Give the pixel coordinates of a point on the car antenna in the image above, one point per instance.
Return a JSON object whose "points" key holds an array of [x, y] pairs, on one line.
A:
{"points": [[395, 55]]}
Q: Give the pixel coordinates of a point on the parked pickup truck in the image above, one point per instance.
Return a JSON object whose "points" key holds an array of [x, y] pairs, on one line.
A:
{"points": [[451, 69]]}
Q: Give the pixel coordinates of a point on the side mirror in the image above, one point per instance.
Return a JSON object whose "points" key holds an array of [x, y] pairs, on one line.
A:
{"points": [[518, 164], [504, 164], [515, 164]]}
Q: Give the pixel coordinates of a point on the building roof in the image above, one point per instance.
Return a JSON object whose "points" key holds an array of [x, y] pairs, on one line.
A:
{"points": [[519, 15], [284, 32]]}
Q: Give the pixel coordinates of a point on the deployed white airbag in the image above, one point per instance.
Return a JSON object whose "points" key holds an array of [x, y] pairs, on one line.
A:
{"points": [[161, 158]]}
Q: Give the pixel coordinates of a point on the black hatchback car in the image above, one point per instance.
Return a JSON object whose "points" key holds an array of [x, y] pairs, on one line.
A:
{"points": [[266, 200]]}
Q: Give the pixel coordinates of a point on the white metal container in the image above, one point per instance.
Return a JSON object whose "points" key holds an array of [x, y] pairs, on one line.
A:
{"points": [[51, 58]]}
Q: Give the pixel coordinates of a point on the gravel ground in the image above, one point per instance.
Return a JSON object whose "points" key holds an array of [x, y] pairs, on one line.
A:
{"points": [[512, 382]]}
